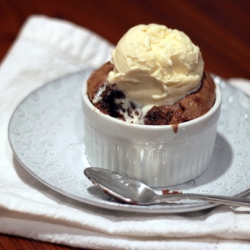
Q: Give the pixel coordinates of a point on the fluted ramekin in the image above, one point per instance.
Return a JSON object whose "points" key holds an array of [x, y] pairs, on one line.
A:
{"points": [[155, 154]]}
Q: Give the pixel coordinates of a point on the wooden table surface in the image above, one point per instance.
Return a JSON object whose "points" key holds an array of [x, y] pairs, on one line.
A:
{"points": [[219, 27]]}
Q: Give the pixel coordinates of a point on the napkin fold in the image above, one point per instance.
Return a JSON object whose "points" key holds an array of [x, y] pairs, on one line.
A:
{"points": [[47, 49]]}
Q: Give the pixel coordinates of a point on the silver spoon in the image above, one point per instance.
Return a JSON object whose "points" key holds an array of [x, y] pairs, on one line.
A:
{"points": [[132, 191]]}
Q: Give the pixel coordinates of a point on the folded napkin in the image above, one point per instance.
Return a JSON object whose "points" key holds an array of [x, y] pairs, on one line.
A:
{"points": [[45, 50]]}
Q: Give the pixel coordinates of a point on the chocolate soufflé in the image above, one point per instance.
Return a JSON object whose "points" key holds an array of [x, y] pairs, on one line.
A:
{"points": [[188, 108]]}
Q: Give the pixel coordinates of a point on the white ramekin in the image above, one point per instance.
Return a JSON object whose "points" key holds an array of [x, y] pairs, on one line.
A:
{"points": [[155, 155]]}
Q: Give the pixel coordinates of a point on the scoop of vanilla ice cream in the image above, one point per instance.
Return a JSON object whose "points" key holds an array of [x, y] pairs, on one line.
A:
{"points": [[155, 65]]}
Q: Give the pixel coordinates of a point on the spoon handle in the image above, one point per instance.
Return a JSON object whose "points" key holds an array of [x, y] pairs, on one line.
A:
{"points": [[218, 199]]}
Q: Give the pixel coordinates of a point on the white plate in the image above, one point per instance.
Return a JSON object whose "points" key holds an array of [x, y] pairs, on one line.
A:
{"points": [[46, 135]]}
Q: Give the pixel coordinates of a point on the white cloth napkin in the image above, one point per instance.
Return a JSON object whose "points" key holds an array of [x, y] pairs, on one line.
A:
{"points": [[47, 49]]}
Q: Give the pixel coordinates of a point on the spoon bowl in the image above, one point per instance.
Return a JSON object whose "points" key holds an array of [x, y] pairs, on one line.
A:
{"points": [[120, 186], [132, 191]]}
